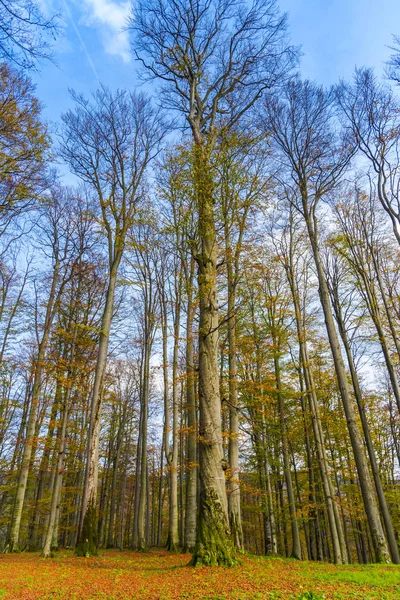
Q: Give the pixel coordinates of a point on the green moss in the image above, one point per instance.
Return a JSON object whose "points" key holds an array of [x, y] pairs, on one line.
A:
{"points": [[172, 547], [214, 544], [88, 543], [11, 549]]}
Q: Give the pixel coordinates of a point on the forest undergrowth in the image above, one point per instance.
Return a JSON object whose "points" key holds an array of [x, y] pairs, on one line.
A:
{"points": [[160, 575]]}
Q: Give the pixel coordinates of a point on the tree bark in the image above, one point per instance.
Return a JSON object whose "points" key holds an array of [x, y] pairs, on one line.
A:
{"points": [[371, 508], [235, 518], [338, 543], [191, 472], [387, 520], [173, 531], [213, 541], [87, 537], [31, 425], [296, 545]]}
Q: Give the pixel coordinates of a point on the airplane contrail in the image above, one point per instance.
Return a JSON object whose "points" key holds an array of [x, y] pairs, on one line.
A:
{"points": [[82, 43]]}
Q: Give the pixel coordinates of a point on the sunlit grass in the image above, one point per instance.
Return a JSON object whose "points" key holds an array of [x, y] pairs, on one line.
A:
{"points": [[159, 575]]}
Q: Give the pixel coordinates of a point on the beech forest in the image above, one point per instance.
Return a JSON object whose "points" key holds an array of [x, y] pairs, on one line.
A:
{"points": [[199, 316]]}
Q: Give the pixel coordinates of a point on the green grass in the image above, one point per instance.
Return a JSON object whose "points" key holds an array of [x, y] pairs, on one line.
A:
{"points": [[362, 575]]}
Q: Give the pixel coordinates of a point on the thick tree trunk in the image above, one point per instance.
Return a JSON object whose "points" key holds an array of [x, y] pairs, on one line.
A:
{"points": [[214, 544]]}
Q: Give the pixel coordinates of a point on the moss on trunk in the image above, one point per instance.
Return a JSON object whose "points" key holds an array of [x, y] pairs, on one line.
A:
{"points": [[214, 544], [171, 546], [87, 544]]}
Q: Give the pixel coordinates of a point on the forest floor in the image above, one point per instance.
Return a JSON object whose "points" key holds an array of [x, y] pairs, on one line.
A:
{"points": [[160, 575]]}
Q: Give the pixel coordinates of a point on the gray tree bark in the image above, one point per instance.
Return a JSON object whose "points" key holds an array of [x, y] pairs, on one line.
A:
{"points": [[31, 424], [371, 508], [191, 473], [87, 536], [387, 520]]}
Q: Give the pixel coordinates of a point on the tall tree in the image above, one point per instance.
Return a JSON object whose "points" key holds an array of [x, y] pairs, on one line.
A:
{"points": [[214, 60], [335, 277], [108, 142], [176, 191], [291, 251], [302, 124], [145, 255], [241, 183], [58, 231]]}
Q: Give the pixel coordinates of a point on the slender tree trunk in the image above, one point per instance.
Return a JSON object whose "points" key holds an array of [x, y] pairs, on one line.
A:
{"points": [[385, 299], [111, 526], [173, 532], [235, 519], [87, 536], [182, 445], [143, 491], [134, 543], [43, 470], [387, 520], [191, 467], [160, 496], [373, 307], [272, 545], [296, 545], [371, 508], [312, 533], [31, 425], [233, 447], [122, 515], [51, 535], [336, 530], [55, 499]]}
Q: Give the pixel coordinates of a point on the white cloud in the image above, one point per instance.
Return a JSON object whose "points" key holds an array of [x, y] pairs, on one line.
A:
{"points": [[110, 18]]}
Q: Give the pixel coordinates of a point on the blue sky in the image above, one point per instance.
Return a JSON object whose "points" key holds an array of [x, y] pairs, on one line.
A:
{"points": [[335, 36]]}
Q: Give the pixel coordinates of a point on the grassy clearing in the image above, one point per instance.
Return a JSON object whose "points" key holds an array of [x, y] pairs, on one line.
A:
{"points": [[159, 575]]}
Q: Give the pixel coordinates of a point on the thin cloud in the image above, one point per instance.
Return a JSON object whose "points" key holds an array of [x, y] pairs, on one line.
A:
{"points": [[110, 19]]}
